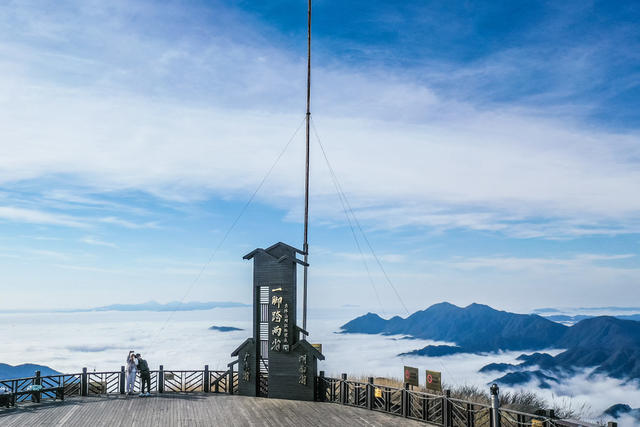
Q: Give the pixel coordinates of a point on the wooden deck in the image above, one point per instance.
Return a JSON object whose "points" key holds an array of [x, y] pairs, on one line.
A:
{"points": [[193, 410]]}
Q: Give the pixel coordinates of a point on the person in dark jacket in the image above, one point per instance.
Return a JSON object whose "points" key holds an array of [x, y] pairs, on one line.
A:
{"points": [[145, 376]]}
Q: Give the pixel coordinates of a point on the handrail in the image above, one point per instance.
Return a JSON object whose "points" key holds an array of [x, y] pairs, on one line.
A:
{"points": [[87, 383], [446, 411], [453, 399], [42, 376]]}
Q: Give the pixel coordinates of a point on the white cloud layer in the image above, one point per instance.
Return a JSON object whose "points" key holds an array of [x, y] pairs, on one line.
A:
{"points": [[100, 341], [114, 107]]}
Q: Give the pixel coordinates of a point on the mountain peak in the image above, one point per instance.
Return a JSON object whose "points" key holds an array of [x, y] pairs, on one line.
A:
{"points": [[369, 323], [439, 307], [603, 331], [479, 307], [443, 304]]}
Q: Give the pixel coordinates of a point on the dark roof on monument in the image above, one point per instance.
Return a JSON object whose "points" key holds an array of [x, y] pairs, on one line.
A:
{"points": [[241, 346], [280, 259]]}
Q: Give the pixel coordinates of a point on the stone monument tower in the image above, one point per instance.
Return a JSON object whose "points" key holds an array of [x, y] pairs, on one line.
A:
{"points": [[277, 361]]}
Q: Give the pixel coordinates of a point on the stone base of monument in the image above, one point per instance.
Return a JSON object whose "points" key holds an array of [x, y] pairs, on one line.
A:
{"points": [[291, 375]]}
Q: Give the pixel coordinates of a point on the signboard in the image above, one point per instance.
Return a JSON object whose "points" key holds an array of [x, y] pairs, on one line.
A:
{"points": [[279, 325], [434, 381], [411, 375], [317, 347], [378, 392], [536, 423]]}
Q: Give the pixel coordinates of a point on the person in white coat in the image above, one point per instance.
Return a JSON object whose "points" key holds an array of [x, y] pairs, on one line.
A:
{"points": [[131, 369]]}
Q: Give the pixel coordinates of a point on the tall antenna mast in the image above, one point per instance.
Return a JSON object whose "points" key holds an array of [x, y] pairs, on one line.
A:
{"points": [[305, 246]]}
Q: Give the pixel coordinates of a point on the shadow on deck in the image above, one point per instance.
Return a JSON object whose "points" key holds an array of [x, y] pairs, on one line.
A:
{"points": [[192, 409]]}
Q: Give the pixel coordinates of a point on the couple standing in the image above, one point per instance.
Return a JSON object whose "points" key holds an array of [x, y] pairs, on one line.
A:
{"points": [[136, 363]]}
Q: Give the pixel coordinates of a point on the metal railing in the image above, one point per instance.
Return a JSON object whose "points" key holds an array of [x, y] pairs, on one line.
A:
{"points": [[435, 409], [88, 383], [71, 384]]}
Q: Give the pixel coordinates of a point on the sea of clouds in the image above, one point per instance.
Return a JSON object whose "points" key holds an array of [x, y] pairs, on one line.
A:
{"points": [[100, 341]]}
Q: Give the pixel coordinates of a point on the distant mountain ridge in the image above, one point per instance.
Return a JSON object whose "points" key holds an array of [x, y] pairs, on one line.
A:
{"points": [[608, 344], [170, 306], [475, 328], [578, 317], [25, 370], [570, 316], [609, 309], [224, 328], [145, 306], [620, 409], [524, 377]]}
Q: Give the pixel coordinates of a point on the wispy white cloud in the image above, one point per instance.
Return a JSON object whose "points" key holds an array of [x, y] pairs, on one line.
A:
{"points": [[128, 224], [36, 216], [93, 269], [30, 254], [357, 256], [75, 199], [48, 254], [89, 240], [511, 263], [33, 216]]}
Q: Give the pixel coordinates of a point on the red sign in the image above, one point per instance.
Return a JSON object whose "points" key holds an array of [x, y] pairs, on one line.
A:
{"points": [[411, 375], [434, 380]]}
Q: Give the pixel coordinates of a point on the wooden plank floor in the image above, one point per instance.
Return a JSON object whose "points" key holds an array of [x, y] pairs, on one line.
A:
{"points": [[193, 410]]}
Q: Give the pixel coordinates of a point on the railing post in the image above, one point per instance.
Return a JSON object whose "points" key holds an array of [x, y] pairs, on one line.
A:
{"points": [[446, 409], [425, 408], [370, 396], [322, 388], [549, 414], [344, 392], [207, 379], [122, 377], [230, 379], [35, 397], [14, 389], [84, 385], [161, 379], [495, 406], [552, 415], [405, 400]]}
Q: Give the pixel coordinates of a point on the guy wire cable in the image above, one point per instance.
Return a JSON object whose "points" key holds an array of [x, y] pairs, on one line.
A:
{"points": [[343, 196], [228, 232]]}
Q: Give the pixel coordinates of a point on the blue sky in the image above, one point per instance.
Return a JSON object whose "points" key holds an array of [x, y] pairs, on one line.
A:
{"points": [[490, 150]]}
